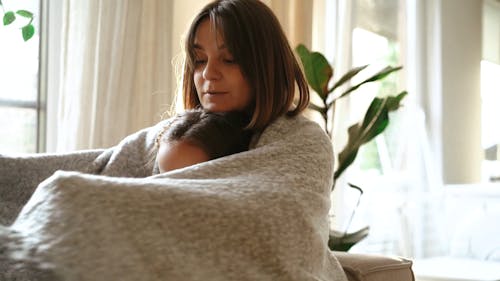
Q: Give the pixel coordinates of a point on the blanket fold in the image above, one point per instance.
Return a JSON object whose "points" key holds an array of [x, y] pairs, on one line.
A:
{"points": [[256, 215], [20, 174]]}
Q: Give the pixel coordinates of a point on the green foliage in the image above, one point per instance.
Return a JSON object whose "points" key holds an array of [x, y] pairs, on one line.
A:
{"points": [[375, 121], [344, 241], [319, 74], [9, 17], [25, 14], [28, 31], [317, 70]]}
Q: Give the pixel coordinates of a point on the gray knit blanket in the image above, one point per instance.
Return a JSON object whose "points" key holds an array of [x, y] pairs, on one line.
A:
{"points": [[105, 214]]}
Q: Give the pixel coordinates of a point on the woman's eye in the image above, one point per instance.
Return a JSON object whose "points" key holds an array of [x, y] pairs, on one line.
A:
{"points": [[230, 61], [199, 61]]}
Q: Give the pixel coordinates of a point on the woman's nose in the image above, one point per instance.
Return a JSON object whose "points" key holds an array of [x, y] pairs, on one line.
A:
{"points": [[211, 71]]}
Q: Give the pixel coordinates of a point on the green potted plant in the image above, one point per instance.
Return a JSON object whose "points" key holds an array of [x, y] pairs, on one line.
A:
{"points": [[319, 75]]}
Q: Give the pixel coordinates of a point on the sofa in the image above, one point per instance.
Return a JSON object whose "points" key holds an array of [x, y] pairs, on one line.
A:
{"points": [[357, 266], [372, 267], [181, 214]]}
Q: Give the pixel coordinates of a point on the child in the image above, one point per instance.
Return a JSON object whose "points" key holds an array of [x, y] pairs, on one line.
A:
{"points": [[196, 136]]}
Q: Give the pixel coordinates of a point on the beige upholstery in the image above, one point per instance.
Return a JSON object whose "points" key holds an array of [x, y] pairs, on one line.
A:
{"points": [[369, 267]]}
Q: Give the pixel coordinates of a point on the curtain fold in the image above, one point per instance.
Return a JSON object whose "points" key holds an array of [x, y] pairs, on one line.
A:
{"points": [[115, 70], [340, 49], [296, 18]]}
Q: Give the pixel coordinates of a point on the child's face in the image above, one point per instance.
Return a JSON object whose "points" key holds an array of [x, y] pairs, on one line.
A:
{"points": [[218, 79], [179, 154]]}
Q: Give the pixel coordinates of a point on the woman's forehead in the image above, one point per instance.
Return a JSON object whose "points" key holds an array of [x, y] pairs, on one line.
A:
{"points": [[208, 34]]}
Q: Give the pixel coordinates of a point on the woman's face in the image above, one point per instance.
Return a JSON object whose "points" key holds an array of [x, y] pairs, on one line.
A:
{"points": [[218, 79]]}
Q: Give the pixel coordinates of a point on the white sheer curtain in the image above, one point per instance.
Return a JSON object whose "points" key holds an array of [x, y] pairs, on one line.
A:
{"points": [[393, 200], [113, 62], [115, 70], [403, 204], [339, 50]]}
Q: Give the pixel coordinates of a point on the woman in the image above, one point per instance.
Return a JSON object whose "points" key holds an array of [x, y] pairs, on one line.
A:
{"points": [[238, 58], [258, 215]]}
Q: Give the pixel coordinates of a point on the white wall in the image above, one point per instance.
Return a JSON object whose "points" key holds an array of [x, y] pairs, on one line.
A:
{"points": [[443, 67], [461, 53]]}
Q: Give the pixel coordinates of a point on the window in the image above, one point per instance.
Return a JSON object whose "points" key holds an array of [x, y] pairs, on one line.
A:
{"points": [[375, 41], [19, 75], [376, 155], [374, 31], [490, 96]]}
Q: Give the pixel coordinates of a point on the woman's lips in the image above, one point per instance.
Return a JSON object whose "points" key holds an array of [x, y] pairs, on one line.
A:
{"points": [[215, 93]]}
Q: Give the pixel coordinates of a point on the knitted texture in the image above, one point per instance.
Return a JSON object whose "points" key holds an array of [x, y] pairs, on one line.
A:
{"points": [[256, 215]]}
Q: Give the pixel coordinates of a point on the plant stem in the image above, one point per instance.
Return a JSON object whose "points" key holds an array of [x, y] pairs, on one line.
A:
{"points": [[354, 210]]}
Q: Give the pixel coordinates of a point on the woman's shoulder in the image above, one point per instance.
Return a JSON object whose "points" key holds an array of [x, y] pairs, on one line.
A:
{"points": [[293, 128], [297, 125]]}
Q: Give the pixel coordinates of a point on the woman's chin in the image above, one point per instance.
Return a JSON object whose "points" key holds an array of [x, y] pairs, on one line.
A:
{"points": [[213, 107]]}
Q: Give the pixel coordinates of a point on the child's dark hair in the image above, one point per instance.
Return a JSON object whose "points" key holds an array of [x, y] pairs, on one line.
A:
{"points": [[217, 133]]}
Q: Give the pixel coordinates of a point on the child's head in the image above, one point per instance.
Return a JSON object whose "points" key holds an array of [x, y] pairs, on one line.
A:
{"points": [[250, 45], [196, 136]]}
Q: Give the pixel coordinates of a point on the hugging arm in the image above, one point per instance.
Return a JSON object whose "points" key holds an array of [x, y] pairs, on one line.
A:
{"points": [[19, 175]]}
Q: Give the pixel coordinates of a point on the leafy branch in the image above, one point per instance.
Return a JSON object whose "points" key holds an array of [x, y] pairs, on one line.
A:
{"points": [[319, 74], [9, 17]]}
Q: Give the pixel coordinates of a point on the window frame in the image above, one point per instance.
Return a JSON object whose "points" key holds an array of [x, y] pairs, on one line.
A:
{"points": [[38, 104]]}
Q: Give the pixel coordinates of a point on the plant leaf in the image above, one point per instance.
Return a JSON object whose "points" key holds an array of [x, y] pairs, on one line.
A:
{"points": [[8, 18], [351, 73], [24, 13], [28, 31], [393, 103], [317, 70], [350, 151], [375, 116], [319, 109], [375, 121], [381, 74], [339, 241]]}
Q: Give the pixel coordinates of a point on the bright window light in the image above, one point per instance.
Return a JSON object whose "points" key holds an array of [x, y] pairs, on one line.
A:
{"points": [[19, 66], [490, 95]]}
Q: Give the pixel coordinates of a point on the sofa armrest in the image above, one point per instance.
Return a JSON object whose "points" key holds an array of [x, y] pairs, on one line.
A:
{"points": [[370, 267]]}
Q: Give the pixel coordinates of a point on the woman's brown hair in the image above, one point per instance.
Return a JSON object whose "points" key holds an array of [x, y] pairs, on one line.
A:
{"points": [[254, 37]]}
